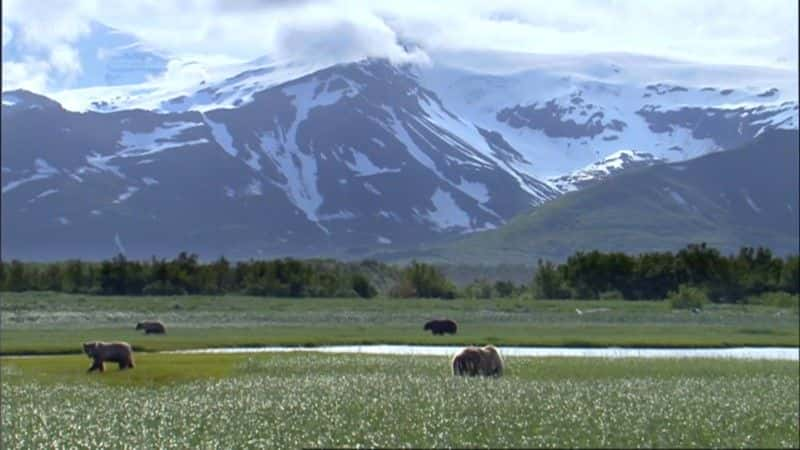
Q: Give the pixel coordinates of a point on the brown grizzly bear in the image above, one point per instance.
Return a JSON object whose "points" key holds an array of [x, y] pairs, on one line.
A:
{"points": [[118, 352], [151, 326], [441, 326], [474, 361]]}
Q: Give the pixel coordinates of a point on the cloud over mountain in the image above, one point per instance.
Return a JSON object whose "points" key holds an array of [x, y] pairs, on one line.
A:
{"points": [[743, 32]]}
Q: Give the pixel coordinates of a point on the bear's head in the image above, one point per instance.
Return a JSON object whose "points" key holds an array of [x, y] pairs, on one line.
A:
{"points": [[139, 326], [90, 348]]}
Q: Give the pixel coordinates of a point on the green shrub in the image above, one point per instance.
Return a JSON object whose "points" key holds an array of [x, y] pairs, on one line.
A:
{"points": [[481, 289], [362, 287], [549, 283], [425, 281], [504, 288], [403, 289], [779, 299], [687, 297]]}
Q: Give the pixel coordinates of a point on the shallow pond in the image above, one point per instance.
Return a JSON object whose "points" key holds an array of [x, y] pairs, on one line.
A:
{"points": [[774, 353]]}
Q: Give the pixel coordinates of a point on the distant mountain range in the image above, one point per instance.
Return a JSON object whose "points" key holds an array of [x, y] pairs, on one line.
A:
{"points": [[743, 197], [271, 158]]}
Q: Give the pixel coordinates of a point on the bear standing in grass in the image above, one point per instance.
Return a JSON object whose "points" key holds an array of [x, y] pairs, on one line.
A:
{"points": [[441, 326], [151, 327], [473, 361], [118, 352]]}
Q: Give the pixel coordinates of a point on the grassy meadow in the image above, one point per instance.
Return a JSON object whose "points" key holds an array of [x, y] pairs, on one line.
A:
{"points": [[42, 323], [297, 400]]}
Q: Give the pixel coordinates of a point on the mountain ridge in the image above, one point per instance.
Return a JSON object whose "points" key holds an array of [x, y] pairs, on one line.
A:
{"points": [[345, 159], [723, 199]]}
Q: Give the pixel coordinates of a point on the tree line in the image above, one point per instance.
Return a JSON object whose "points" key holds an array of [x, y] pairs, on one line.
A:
{"points": [[724, 279], [584, 275], [185, 275]]}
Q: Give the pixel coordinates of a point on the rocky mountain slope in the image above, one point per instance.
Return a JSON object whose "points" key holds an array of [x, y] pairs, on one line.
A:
{"points": [[274, 158], [342, 160], [743, 197]]}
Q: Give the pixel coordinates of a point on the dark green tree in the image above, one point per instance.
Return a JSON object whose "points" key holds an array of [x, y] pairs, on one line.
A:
{"points": [[16, 279], [549, 282], [72, 278], [363, 287]]}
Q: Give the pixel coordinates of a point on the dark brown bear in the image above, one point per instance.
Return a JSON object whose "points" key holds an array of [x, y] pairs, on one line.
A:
{"points": [[118, 352], [441, 326], [151, 326], [474, 361]]}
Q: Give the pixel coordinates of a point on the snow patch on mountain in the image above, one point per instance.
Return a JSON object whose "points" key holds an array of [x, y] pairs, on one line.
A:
{"points": [[362, 166], [118, 243], [253, 160], [372, 189], [221, 135], [309, 95], [161, 138], [126, 195], [750, 202], [566, 113], [44, 194], [10, 100], [339, 215], [476, 190], [612, 164], [43, 170], [456, 132], [100, 162], [676, 197], [785, 119], [254, 188], [299, 171], [209, 85], [446, 213]]}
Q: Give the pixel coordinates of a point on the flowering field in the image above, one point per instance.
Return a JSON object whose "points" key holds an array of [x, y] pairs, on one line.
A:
{"points": [[308, 399]]}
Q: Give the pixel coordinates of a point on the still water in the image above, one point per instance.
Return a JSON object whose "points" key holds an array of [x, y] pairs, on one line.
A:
{"points": [[774, 353]]}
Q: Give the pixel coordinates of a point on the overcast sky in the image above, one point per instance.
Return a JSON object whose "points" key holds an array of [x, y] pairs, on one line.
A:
{"points": [[750, 32]]}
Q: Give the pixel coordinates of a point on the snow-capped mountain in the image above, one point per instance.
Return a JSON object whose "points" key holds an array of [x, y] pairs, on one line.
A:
{"points": [[347, 158], [277, 158], [612, 164], [565, 113]]}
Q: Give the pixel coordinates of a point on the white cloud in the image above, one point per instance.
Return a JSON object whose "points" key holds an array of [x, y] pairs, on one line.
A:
{"points": [[750, 32], [316, 37], [742, 32], [30, 75], [7, 34], [65, 59], [45, 24]]}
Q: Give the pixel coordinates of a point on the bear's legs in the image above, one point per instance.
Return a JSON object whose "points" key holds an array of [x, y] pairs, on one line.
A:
{"points": [[98, 365], [125, 363]]}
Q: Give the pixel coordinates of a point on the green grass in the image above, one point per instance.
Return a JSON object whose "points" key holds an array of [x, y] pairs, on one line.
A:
{"points": [[307, 399], [293, 400], [41, 323]]}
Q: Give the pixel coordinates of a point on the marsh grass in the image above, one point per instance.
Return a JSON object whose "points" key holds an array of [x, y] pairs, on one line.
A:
{"points": [[57, 323], [308, 399]]}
